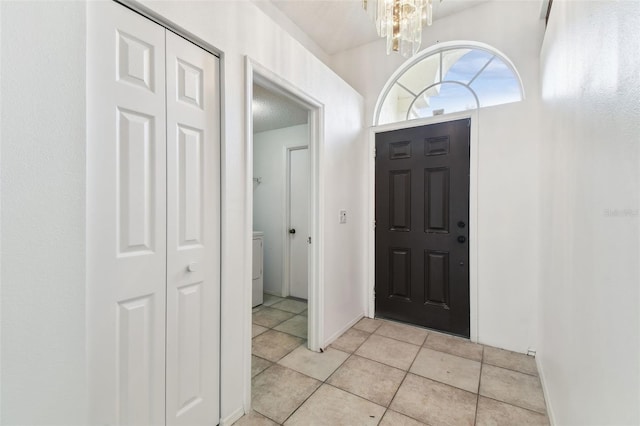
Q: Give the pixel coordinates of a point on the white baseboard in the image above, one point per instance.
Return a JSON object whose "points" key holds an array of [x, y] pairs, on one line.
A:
{"points": [[339, 333], [232, 418], [545, 391]]}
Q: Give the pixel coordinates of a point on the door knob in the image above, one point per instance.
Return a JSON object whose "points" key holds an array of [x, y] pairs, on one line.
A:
{"points": [[192, 267], [461, 239], [292, 231]]}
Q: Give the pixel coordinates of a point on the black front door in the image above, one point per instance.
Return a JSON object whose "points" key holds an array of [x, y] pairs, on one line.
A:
{"points": [[422, 226]]}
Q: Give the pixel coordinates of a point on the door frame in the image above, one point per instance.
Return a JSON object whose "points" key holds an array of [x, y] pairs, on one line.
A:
{"points": [[257, 73], [473, 208], [286, 243]]}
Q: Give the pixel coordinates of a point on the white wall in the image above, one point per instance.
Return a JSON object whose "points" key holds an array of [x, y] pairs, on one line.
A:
{"points": [[277, 16], [508, 229], [43, 216], [43, 199], [269, 210], [589, 351]]}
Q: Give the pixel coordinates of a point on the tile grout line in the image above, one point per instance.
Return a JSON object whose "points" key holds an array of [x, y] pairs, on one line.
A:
{"points": [[517, 406], [383, 321], [258, 356], [429, 333], [364, 331], [406, 373], [283, 310], [475, 417], [285, 355], [443, 383], [266, 417], [450, 353], [511, 369], [384, 363], [305, 400], [397, 340], [453, 336]]}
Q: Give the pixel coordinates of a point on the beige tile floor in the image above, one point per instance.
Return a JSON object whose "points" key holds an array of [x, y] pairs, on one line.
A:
{"points": [[384, 373]]}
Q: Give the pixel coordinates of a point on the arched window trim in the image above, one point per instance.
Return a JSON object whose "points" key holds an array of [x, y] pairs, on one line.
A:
{"points": [[475, 96], [439, 49]]}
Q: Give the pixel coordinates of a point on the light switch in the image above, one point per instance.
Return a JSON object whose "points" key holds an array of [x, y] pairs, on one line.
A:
{"points": [[343, 216]]}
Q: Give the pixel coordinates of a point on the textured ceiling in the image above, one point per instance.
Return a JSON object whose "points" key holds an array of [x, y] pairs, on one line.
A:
{"points": [[273, 111], [338, 25]]}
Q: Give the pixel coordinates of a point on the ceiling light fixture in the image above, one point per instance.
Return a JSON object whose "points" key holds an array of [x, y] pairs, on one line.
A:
{"points": [[401, 22]]}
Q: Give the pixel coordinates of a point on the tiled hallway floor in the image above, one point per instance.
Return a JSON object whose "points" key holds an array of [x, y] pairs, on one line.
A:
{"points": [[384, 373]]}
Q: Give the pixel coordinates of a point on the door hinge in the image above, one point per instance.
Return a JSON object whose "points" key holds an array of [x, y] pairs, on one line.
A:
{"points": [[375, 152], [374, 224], [468, 122], [309, 240]]}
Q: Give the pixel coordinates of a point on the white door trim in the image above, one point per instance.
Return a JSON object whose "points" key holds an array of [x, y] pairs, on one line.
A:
{"points": [[473, 209], [256, 73], [286, 243]]}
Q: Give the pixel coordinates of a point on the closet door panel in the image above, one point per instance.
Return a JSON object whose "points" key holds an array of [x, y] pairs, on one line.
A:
{"points": [[126, 216], [193, 234]]}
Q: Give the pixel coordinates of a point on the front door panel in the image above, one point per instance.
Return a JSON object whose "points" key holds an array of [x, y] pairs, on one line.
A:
{"points": [[422, 226]]}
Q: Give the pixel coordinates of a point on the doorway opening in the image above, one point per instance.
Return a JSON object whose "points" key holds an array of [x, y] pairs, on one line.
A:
{"points": [[283, 204], [280, 197]]}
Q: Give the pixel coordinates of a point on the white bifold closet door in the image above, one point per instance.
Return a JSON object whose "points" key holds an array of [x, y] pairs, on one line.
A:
{"points": [[193, 233], [153, 214]]}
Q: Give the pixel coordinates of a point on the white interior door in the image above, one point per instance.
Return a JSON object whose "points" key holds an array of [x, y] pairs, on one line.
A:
{"points": [[193, 234], [298, 221], [126, 216], [153, 214]]}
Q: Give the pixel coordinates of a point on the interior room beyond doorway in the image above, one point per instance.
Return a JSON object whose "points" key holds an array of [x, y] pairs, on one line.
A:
{"points": [[280, 196]]}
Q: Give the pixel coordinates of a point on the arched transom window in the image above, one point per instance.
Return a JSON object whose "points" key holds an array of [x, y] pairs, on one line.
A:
{"points": [[449, 78]]}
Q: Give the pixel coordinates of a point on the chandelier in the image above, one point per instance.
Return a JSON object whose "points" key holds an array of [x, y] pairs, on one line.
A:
{"points": [[401, 22]]}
